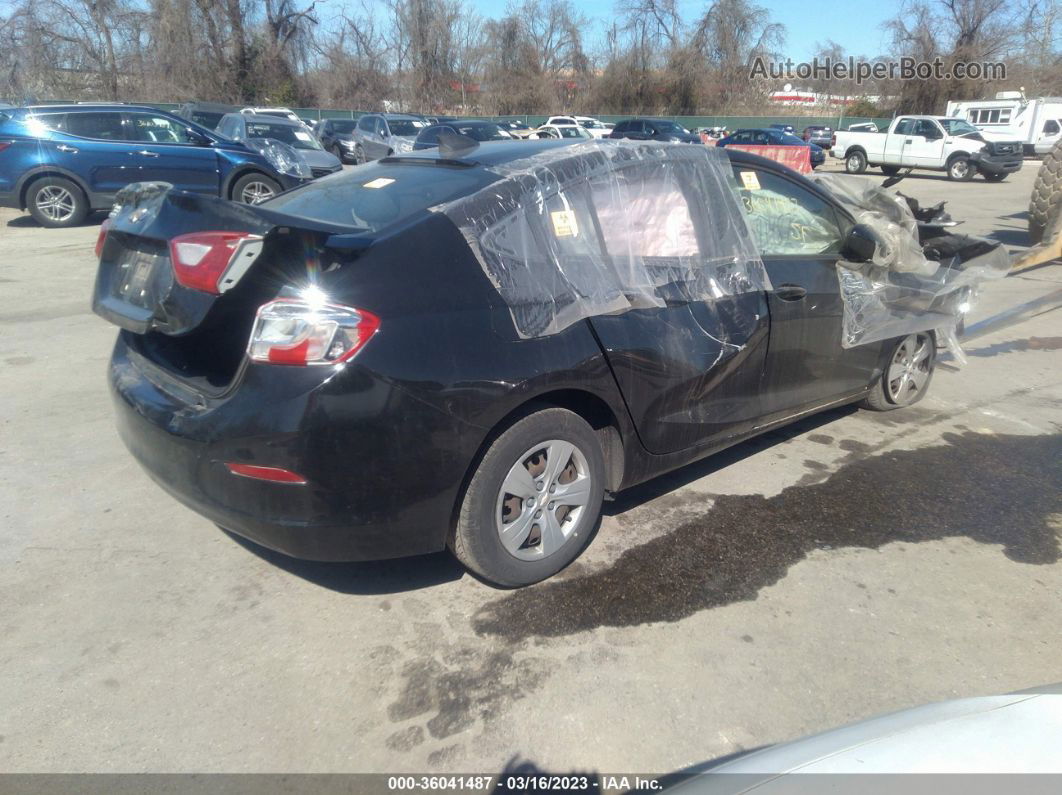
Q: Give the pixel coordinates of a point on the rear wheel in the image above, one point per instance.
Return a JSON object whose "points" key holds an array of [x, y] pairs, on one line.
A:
{"points": [[56, 202], [855, 162], [907, 374], [254, 188], [534, 501]]}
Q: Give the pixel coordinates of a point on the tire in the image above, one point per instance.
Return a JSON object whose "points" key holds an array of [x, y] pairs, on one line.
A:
{"points": [[525, 458], [890, 171], [359, 155], [855, 162], [1002, 175], [1046, 195], [254, 188], [55, 202], [960, 169], [337, 150], [896, 389]]}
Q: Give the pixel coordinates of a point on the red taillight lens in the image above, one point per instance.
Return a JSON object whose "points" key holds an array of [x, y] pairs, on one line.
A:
{"points": [[273, 474], [213, 261], [303, 332], [102, 238], [833, 140]]}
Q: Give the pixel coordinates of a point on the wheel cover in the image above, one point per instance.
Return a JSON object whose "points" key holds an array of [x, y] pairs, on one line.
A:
{"points": [[544, 499], [854, 162], [960, 168], [56, 203], [909, 369], [255, 192]]}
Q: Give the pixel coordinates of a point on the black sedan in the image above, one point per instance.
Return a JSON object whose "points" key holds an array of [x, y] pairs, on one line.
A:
{"points": [[653, 130], [774, 137], [345, 372]]}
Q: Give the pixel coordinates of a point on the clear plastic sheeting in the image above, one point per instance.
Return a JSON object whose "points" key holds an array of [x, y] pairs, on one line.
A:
{"points": [[888, 214], [603, 227], [901, 290]]}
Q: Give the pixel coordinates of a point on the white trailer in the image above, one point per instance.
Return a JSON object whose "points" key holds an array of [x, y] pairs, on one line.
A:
{"points": [[1037, 123]]}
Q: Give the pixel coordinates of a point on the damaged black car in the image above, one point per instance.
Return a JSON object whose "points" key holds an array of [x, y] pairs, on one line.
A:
{"points": [[471, 350]]}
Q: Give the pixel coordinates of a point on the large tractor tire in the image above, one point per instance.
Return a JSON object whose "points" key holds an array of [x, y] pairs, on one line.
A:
{"points": [[1046, 204]]}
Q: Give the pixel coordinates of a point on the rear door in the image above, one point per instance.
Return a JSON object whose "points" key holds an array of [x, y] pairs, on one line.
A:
{"points": [[799, 236], [165, 151], [95, 148], [689, 371]]}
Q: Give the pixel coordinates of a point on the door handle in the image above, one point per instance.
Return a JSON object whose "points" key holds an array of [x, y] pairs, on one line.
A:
{"points": [[146, 153], [909, 141], [70, 149], [790, 292]]}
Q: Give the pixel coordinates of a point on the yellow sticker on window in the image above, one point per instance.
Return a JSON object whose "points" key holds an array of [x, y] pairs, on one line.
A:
{"points": [[750, 180], [379, 182], [565, 223]]}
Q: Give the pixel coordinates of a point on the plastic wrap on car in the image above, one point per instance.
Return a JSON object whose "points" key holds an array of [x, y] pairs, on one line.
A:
{"points": [[900, 290], [603, 227]]}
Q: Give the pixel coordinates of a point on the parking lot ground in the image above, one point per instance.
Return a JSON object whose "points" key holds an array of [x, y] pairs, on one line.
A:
{"points": [[848, 565]]}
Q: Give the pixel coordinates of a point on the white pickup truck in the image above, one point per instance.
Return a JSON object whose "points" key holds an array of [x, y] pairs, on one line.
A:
{"points": [[939, 143]]}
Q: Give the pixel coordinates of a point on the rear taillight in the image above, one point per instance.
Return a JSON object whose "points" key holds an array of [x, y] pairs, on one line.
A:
{"points": [[102, 238], [833, 140], [302, 332], [213, 261]]}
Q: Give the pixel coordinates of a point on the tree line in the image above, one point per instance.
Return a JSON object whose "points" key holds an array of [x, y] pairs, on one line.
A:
{"points": [[539, 56]]}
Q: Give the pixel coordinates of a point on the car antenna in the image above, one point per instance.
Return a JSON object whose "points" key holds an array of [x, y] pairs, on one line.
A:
{"points": [[455, 146]]}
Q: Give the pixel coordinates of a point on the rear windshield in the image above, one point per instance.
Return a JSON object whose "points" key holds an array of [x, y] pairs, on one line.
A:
{"points": [[481, 132], [378, 195]]}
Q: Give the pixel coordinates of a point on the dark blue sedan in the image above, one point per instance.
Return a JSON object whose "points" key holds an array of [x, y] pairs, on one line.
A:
{"points": [[60, 162], [773, 137]]}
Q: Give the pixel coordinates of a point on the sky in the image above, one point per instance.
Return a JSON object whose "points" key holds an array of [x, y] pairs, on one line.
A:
{"points": [[857, 28]]}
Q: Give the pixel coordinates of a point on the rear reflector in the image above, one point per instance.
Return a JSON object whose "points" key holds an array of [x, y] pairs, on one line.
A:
{"points": [[102, 238], [272, 474], [305, 332], [213, 261]]}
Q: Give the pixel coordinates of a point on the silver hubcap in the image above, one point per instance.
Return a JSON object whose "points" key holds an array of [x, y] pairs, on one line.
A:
{"points": [[853, 163], [543, 500], [909, 369], [55, 202], [255, 192], [960, 168]]}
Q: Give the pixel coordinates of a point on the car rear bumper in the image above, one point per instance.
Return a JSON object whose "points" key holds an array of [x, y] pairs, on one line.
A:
{"points": [[373, 490]]}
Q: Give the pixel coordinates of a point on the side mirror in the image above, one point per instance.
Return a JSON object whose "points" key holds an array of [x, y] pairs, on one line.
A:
{"points": [[860, 244], [198, 138]]}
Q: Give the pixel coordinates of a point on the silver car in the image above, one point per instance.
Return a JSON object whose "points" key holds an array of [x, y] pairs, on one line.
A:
{"points": [[381, 134], [242, 126]]}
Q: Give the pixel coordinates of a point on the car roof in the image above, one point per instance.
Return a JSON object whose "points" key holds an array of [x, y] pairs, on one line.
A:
{"points": [[265, 118], [91, 108], [398, 116]]}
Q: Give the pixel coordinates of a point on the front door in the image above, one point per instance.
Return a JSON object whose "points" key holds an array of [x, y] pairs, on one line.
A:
{"points": [[799, 235], [165, 150], [925, 146], [94, 147]]}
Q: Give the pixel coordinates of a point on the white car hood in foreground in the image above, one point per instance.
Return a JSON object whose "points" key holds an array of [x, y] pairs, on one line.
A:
{"points": [[1018, 733]]}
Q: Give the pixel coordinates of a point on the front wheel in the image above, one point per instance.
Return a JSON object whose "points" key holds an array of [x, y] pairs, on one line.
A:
{"points": [[961, 170], [907, 374], [855, 162], [359, 155], [534, 500], [254, 188]]}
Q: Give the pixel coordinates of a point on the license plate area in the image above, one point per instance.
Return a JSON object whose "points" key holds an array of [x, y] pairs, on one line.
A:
{"points": [[141, 276]]}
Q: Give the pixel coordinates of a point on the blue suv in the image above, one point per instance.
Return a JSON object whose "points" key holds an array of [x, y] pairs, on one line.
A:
{"points": [[62, 161]]}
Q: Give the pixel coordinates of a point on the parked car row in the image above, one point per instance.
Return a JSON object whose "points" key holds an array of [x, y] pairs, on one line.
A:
{"points": [[61, 162]]}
